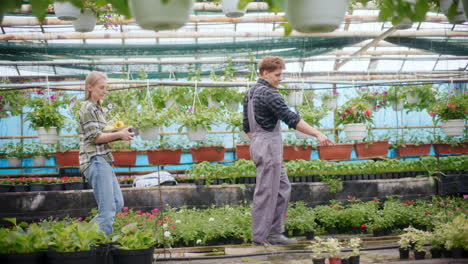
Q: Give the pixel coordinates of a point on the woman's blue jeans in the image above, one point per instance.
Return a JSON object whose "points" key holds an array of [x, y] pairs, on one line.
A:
{"points": [[106, 190]]}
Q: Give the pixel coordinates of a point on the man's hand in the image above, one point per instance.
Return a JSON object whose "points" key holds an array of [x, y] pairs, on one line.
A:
{"points": [[324, 140]]}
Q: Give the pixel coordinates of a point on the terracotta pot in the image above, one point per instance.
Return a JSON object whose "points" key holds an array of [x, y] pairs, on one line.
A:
{"points": [[208, 153], [337, 151], [412, 149], [443, 148], [164, 156], [378, 148], [296, 152], [334, 260], [243, 151], [124, 157], [68, 158]]}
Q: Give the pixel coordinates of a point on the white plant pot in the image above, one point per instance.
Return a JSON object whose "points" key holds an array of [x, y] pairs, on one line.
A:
{"points": [[454, 127], [332, 103], [295, 98], [398, 106], [212, 102], [465, 7], [6, 107], [170, 102], [86, 21], [66, 11], [39, 161], [244, 136], [156, 15], [460, 16], [230, 8], [315, 16], [196, 133], [150, 133], [233, 106], [413, 99], [14, 162], [49, 136], [301, 135], [356, 131], [406, 23]]}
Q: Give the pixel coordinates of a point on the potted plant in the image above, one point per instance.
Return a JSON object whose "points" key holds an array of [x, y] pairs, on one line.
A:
{"points": [[234, 123], [46, 117], [160, 14], [134, 244], [415, 144], [453, 111], [354, 115], [419, 97], [340, 150], [165, 152], [436, 239], [294, 149], [124, 153], [330, 99], [376, 98], [14, 153], [197, 122], [67, 11], [294, 96], [396, 97], [404, 246], [23, 245], [371, 147], [334, 250], [354, 244], [13, 102], [312, 115], [150, 121], [207, 151], [68, 153], [318, 248], [231, 9], [450, 145], [38, 152]]}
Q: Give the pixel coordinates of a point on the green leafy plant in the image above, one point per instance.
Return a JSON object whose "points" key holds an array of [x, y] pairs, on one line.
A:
{"points": [[147, 118], [12, 101], [318, 247], [46, 110], [37, 150], [354, 111], [205, 117], [14, 150], [30, 239], [425, 92], [450, 106], [312, 115], [131, 236]]}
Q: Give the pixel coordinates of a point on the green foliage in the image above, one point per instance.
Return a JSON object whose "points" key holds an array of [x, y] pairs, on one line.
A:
{"points": [[234, 120], [354, 111], [204, 117], [312, 115], [425, 92], [23, 240], [65, 236], [46, 110], [147, 118], [37, 150], [132, 237], [14, 100], [12, 150], [450, 106]]}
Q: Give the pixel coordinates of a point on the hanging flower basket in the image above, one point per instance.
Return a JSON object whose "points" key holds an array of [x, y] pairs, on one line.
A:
{"points": [[371, 149], [444, 148], [230, 8], [124, 157], [212, 102], [337, 151], [196, 133], [233, 106], [406, 23], [66, 11], [459, 15], [48, 136], [413, 99], [86, 21], [454, 127], [158, 15], [14, 162], [331, 103], [295, 98], [150, 133], [413, 149], [68, 158], [398, 105], [296, 152], [355, 131], [243, 151], [207, 153], [315, 16], [39, 161], [164, 156]]}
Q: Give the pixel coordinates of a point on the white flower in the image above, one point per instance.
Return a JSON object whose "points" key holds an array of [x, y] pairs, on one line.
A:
{"points": [[198, 241], [177, 221], [165, 226], [167, 234], [109, 106], [211, 219]]}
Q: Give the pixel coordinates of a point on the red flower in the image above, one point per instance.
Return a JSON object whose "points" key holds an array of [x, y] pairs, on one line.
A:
{"points": [[351, 197], [376, 200], [138, 211], [286, 216], [426, 213], [451, 106], [155, 211], [128, 223], [363, 226], [173, 226], [368, 112], [432, 114]]}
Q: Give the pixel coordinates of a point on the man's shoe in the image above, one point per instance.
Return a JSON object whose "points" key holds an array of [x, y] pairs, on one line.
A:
{"points": [[280, 239], [254, 243]]}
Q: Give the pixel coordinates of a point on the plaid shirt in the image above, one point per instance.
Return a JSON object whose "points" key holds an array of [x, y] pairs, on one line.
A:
{"points": [[92, 122], [269, 106]]}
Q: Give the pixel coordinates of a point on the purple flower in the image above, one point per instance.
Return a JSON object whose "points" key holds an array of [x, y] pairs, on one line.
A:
{"points": [[190, 110], [109, 16], [375, 93], [1, 99], [385, 92], [383, 102], [40, 92], [52, 97], [361, 88], [457, 88], [26, 95], [335, 92], [73, 99], [1, 108], [377, 106]]}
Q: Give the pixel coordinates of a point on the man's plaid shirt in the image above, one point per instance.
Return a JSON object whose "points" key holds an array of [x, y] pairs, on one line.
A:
{"points": [[269, 107], [92, 122]]}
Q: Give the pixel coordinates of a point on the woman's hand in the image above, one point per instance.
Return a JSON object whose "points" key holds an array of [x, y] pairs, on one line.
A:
{"points": [[127, 134]]}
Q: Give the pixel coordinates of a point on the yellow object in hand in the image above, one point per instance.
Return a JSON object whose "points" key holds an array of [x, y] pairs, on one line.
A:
{"points": [[119, 124]]}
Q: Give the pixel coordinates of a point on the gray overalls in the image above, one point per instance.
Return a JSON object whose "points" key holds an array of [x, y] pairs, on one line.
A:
{"points": [[272, 190]]}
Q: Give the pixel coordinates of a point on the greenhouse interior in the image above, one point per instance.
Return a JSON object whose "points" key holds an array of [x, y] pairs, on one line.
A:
{"points": [[233, 131]]}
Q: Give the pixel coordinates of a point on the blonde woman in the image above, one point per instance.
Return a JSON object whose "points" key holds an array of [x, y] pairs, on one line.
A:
{"points": [[95, 155]]}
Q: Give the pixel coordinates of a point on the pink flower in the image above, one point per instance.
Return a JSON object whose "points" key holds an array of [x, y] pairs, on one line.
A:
{"points": [[73, 99], [190, 110], [79, 218], [1, 99], [457, 209], [363, 226], [40, 92], [155, 211], [385, 92], [383, 102], [368, 112], [137, 216], [451, 106], [138, 211], [450, 213], [362, 88], [335, 92], [441, 202], [432, 114], [378, 106], [375, 93], [52, 97], [173, 226], [125, 209], [128, 223], [1, 108], [151, 217]]}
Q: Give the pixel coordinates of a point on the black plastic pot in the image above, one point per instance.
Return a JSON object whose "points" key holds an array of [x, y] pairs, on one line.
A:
{"points": [[5, 187], [447, 253], [354, 260], [140, 256], [81, 257], [436, 252], [20, 188], [104, 254], [457, 252], [345, 261], [404, 253], [37, 187], [309, 235], [55, 187], [318, 261], [23, 258], [74, 186], [419, 254]]}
